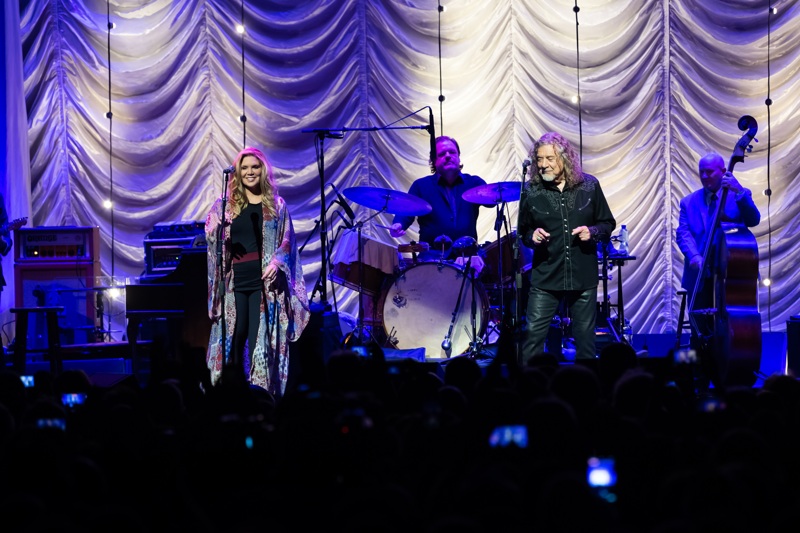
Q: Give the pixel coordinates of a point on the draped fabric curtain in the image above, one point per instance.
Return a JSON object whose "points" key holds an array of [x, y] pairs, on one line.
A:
{"points": [[643, 87]]}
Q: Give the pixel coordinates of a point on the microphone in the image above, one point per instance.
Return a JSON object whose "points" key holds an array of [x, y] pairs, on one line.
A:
{"points": [[231, 169], [432, 131], [525, 165], [343, 203]]}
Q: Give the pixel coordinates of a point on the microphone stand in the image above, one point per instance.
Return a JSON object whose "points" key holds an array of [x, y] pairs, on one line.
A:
{"points": [[499, 206], [515, 258], [321, 135], [226, 356], [310, 234], [321, 284], [338, 133]]}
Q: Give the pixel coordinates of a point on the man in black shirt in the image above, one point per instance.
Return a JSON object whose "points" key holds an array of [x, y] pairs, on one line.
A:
{"points": [[563, 215]]}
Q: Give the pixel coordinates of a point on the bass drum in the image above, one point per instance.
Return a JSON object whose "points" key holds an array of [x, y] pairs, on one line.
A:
{"points": [[418, 308]]}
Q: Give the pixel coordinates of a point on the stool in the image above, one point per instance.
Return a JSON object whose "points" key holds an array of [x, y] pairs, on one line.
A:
{"points": [[21, 336], [682, 322]]}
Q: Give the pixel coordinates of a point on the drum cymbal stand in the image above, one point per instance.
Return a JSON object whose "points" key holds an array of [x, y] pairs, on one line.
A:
{"points": [[499, 223], [475, 346], [476, 343], [357, 336], [447, 342]]}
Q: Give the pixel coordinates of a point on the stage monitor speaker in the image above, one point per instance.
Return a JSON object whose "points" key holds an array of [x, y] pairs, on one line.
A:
{"points": [[70, 285]]}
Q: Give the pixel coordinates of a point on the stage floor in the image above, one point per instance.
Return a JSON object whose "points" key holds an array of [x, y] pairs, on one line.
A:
{"points": [[650, 347]]}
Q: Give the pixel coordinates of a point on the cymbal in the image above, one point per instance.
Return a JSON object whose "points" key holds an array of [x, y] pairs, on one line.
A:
{"points": [[394, 202], [413, 248], [464, 242], [493, 193], [442, 243], [465, 246]]}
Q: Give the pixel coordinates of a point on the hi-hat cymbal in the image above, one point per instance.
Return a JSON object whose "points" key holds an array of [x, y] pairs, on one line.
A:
{"points": [[394, 202], [493, 193]]}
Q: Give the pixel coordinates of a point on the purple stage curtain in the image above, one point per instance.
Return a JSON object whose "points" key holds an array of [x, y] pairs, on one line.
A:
{"points": [[661, 82]]}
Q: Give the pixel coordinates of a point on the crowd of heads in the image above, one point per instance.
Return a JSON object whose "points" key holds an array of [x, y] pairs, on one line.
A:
{"points": [[362, 443]]}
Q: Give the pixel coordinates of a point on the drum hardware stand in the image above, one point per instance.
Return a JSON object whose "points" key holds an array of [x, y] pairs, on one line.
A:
{"points": [[475, 345], [447, 342], [356, 337]]}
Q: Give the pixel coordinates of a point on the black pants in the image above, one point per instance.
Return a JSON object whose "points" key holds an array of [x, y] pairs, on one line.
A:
{"points": [[542, 306], [248, 315]]}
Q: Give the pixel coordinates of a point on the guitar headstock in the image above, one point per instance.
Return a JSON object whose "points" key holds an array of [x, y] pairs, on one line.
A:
{"points": [[16, 223]]}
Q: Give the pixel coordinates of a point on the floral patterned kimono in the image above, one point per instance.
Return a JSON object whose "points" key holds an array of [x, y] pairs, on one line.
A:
{"points": [[284, 314]]}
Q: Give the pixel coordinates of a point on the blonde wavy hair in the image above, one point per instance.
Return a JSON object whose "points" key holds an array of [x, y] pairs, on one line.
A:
{"points": [[269, 191], [573, 172]]}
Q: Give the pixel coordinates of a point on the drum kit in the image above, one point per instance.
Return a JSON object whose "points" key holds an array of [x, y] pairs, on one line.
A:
{"points": [[441, 305]]}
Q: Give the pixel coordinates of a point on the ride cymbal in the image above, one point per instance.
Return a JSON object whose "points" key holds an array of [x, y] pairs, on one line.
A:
{"points": [[394, 202]]}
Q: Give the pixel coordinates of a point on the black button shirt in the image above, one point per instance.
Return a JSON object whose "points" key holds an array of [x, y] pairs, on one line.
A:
{"points": [[565, 262]]}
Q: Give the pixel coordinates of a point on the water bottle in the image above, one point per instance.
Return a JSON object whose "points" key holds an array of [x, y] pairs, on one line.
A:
{"points": [[622, 240]]}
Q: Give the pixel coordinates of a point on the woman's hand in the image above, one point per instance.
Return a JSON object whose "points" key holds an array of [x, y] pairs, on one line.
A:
{"points": [[270, 274]]}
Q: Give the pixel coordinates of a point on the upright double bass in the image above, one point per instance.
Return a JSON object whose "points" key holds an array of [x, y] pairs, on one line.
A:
{"points": [[733, 345]]}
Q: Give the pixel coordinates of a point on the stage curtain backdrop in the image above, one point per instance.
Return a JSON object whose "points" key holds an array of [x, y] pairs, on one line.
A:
{"points": [[661, 83]]}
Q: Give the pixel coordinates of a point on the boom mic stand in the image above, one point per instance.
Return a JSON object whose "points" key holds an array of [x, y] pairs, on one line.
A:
{"points": [[516, 319], [335, 133]]}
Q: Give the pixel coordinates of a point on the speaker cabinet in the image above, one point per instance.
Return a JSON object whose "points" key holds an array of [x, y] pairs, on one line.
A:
{"points": [[70, 285]]}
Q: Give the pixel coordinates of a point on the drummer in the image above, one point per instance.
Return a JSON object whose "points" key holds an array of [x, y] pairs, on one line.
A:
{"points": [[451, 216]]}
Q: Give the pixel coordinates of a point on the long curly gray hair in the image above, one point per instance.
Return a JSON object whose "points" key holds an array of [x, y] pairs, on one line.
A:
{"points": [[573, 172]]}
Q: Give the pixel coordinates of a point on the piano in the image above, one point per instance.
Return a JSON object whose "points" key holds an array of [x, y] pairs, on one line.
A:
{"points": [[179, 297]]}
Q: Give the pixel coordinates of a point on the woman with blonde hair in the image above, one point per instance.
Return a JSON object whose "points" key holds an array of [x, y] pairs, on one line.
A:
{"points": [[259, 287]]}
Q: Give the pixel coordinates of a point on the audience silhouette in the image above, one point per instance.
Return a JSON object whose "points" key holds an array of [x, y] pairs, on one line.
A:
{"points": [[380, 445]]}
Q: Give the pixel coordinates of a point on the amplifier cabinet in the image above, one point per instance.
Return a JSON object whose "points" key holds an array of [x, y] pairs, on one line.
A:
{"points": [[56, 244], [58, 266]]}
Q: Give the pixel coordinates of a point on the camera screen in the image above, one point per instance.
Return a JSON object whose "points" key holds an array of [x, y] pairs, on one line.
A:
{"points": [[73, 399], [360, 350], [600, 472], [59, 423], [506, 436], [27, 381]]}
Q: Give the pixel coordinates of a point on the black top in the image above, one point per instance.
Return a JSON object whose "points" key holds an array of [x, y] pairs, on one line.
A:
{"points": [[565, 262], [246, 237]]}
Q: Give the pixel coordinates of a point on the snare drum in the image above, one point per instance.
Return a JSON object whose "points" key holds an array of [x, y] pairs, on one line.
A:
{"points": [[418, 308], [490, 275]]}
